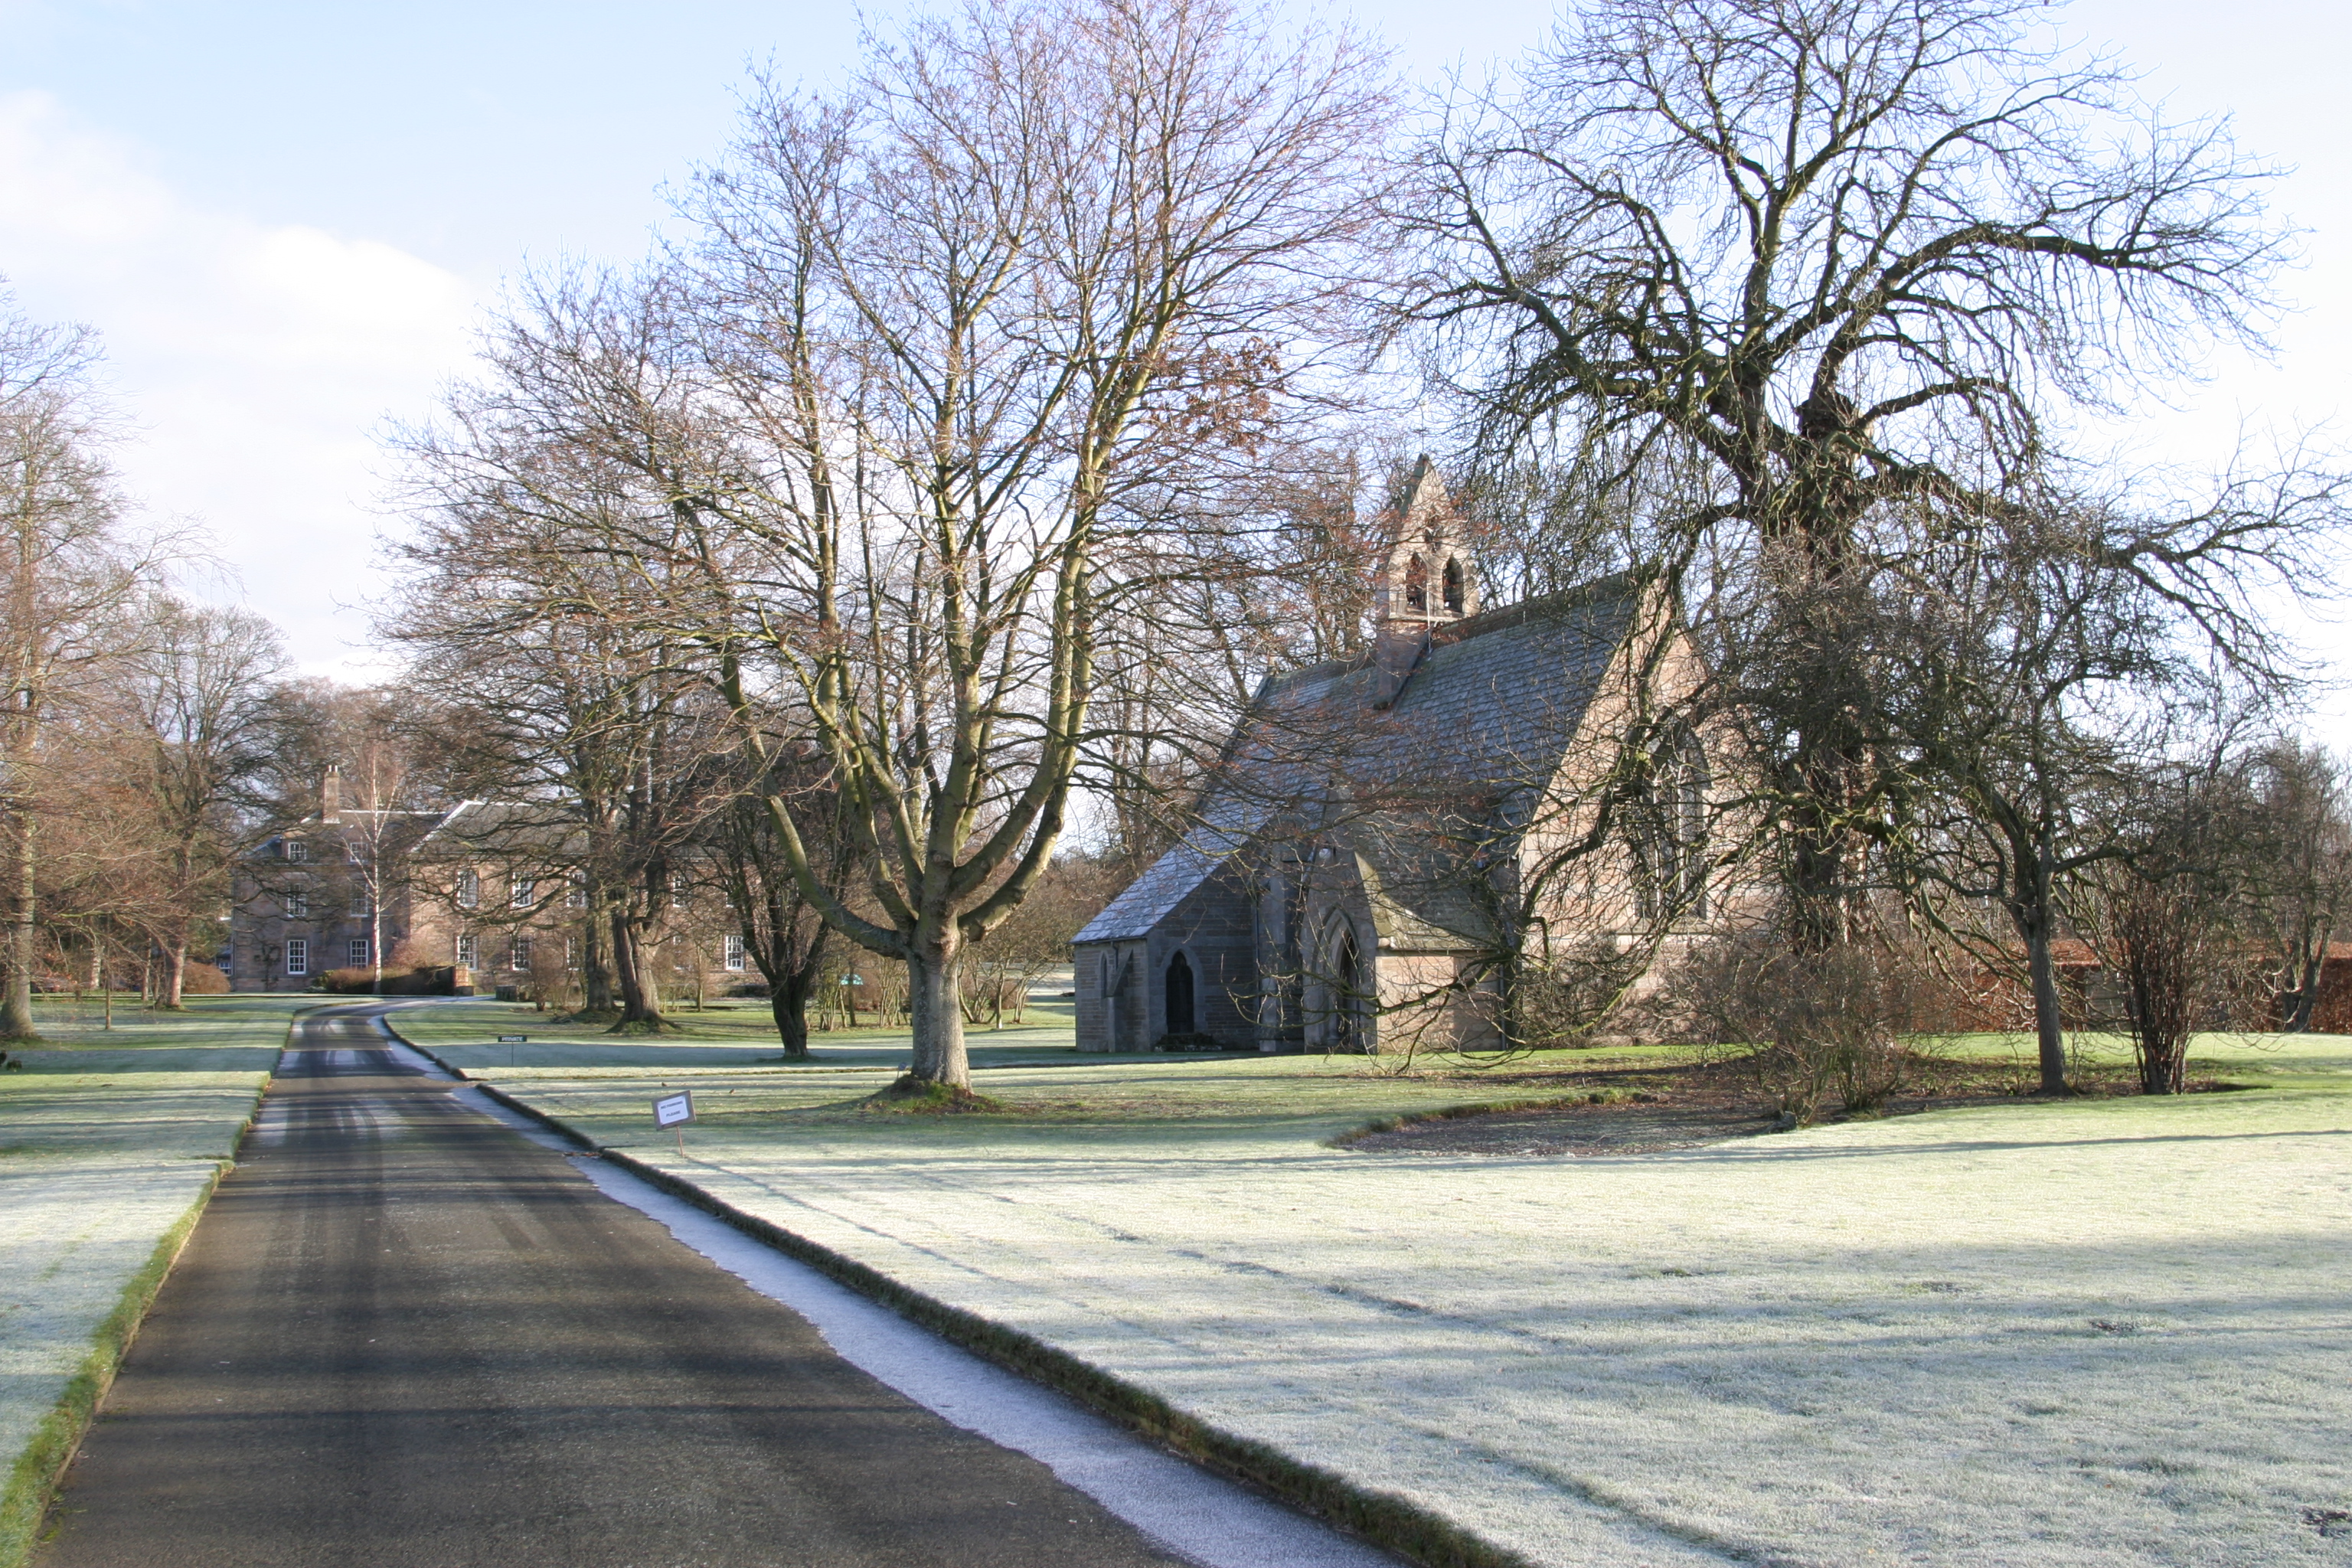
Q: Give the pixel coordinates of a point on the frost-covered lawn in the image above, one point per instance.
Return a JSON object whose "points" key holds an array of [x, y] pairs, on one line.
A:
{"points": [[2108, 1331], [107, 1141]]}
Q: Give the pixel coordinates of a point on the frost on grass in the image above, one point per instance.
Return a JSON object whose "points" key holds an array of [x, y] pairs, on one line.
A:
{"points": [[102, 1152], [2110, 1333]]}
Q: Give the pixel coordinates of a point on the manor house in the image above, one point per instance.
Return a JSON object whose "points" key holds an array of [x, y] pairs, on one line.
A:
{"points": [[482, 896]]}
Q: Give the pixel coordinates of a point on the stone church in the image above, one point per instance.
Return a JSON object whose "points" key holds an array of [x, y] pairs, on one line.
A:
{"points": [[1389, 841]]}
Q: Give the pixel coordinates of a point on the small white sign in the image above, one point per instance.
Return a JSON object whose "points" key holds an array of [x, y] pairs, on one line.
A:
{"points": [[673, 1108], [514, 1039]]}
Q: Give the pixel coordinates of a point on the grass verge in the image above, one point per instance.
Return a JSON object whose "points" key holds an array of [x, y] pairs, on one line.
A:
{"points": [[33, 1478], [100, 1188]]}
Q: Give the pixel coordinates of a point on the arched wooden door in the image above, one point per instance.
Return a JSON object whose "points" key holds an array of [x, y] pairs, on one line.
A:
{"points": [[1179, 993]]}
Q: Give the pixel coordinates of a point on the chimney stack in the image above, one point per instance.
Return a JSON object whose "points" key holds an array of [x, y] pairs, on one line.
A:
{"points": [[330, 795]]}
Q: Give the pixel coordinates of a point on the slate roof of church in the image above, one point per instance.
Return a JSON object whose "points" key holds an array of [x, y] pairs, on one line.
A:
{"points": [[1490, 710]]}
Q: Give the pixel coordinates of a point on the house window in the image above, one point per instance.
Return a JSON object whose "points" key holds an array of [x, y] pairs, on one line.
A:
{"points": [[298, 956], [576, 894], [677, 889], [359, 951], [734, 954], [297, 851], [469, 950], [570, 953], [298, 903], [352, 851], [361, 903], [520, 957], [524, 890], [469, 888]]}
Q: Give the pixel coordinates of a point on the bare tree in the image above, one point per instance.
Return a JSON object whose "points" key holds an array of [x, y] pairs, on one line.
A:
{"points": [[977, 315], [548, 504], [2300, 882], [200, 682], [70, 578], [584, 719], [1784, 273], [2026, 676], [782, 934], [104, 888], [2164, 919]]}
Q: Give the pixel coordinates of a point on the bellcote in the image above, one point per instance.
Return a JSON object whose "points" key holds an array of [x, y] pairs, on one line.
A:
{"points": [[1427, 582], [1429, 579]]}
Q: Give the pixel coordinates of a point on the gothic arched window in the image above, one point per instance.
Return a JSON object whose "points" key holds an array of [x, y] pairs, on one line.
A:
{"points": [[1416, 584], [1340, 990], [1347, 966], [1454, 587], [1673, 830]]}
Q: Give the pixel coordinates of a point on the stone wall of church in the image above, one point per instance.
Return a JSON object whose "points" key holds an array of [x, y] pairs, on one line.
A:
{"points": [[1212, 930], [1122, 1002], [1107, 1004], [1421, 1011]]}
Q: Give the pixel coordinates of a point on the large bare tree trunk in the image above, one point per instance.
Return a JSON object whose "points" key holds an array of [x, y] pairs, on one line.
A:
{"points": [[171, 987], [2033, 913], [2049, 1028], [595, 968], [788, 1004], [17, 1005], [793, 975], [633, 964], [935, 1009], [2304, 1000]]}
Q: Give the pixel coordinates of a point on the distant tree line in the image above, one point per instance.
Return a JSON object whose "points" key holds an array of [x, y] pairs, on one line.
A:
{"points": [[147, 741]]}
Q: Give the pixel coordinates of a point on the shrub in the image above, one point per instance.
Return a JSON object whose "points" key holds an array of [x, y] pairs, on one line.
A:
{"points": [[1582, 988], [398, 980], [203, 980], [1817, 1028]]}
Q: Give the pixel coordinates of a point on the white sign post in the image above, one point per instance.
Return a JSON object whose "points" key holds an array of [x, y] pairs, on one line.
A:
{"points": [[675, 1111]]}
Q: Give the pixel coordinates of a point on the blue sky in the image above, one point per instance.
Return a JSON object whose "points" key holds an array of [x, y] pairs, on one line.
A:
{"points": [[285, 218]]}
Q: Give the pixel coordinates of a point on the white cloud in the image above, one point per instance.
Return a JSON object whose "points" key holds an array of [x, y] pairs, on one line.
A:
{"points": [[256, 358]]}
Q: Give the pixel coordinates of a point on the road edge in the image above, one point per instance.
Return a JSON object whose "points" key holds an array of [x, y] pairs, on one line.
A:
{"points": [[40, 1466], [1387, 1520]]}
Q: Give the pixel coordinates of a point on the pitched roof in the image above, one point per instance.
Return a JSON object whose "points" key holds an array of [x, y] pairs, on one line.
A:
{"points": [[1226, 827], [1482, 723], [1419, 903], [1498, 698], [503, 828]]}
